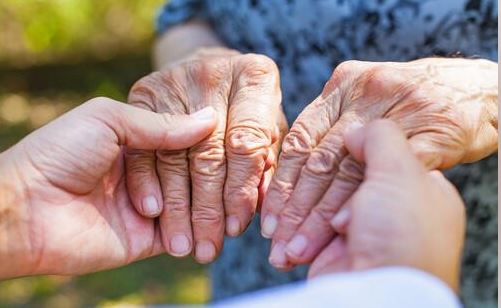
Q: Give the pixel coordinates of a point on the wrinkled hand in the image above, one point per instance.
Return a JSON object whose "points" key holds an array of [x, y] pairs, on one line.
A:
{"points": [[400, 215], [216, 185], [446, 107], [71, 213]]}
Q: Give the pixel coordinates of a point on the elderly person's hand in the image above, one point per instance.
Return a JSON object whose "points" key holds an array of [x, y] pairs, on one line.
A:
{"points": [[64, 207], [446, 107], [401, 214], [216, 185]]}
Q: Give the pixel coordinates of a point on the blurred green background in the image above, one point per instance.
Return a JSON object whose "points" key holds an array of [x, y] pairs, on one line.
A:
{"points": [[55, 54]]}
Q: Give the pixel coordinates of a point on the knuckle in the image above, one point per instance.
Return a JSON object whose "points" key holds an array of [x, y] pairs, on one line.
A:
{"points": [[208, 158], [240, 196], [384, 79], [258, 63], [138, 163], [247, 140], [324, 213], [281, 189], [102, 105], [140, 170], [160, 92], [293, 216], [322, 162], [340, 74], [172, 158], [176, 205], [257, 68], [346, 67], [351, 171], [143, 93], [207, 215], [297, 142], [209, 73]]}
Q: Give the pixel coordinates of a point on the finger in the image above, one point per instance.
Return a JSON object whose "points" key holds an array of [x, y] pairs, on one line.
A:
{"points": [[384, 149], [175, 220], [317, 230], [146, 130], [332, 259], [309, 128], [208, 172], [269, 170], [174, 176], [254, 108], [264, 186], [315, 178], [142, 182], [142, 129]]}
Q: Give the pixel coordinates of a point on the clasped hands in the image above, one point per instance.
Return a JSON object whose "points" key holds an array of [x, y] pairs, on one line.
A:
{"points": [[202, 158]]}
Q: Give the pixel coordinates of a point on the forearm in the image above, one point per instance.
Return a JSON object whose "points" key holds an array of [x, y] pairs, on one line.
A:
{"points": [[182, 40], [15, 243]]}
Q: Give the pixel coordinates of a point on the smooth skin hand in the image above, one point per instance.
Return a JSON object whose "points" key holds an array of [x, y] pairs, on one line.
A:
{"points": [[217, 184], [64, 207], [401, 214], [447, 108]]}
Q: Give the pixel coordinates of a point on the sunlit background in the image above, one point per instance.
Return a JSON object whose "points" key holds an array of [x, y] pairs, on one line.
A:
{"points": [[55, 54]]}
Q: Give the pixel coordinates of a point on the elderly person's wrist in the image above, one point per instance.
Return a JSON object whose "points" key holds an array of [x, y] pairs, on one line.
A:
{"points": [[16, 254]]}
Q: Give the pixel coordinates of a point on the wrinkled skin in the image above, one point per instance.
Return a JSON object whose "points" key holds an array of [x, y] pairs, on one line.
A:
{"points": [[64, 207], [218, 184], [401, 214], [446, 107]]}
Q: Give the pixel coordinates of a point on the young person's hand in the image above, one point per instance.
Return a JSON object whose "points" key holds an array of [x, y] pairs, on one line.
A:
{"points": [[401, 214], [64, 207]]}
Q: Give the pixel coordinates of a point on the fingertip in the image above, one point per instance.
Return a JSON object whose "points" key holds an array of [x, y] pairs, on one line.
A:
{"points": [[150, 207], [179, 245], [277, 257], [233, 226], [205, 251], [268, 226], [296, 247], [354, 137]]}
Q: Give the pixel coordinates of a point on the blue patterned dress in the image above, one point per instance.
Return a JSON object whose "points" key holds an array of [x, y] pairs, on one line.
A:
{"points": [[308, 39]]}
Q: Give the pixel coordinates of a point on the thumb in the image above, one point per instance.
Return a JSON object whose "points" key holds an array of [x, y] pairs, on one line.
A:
{"points": [[142, 129], [383, 147]]}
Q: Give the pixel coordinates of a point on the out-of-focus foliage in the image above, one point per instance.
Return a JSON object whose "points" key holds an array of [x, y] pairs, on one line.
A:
{"points": [[40, 31], [55, 54], [161, 280]]}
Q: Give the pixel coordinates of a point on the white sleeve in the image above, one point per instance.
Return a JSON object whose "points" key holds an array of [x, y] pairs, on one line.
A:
{"points": [[390, 287]]}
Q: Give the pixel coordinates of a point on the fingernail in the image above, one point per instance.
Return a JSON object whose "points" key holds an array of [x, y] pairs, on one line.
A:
{"points": [[232, 225], [296, 246], [340, 221], [204, 114], [277, 256], [269, 226], [179, 245], [150, 206], [205, 251]]}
